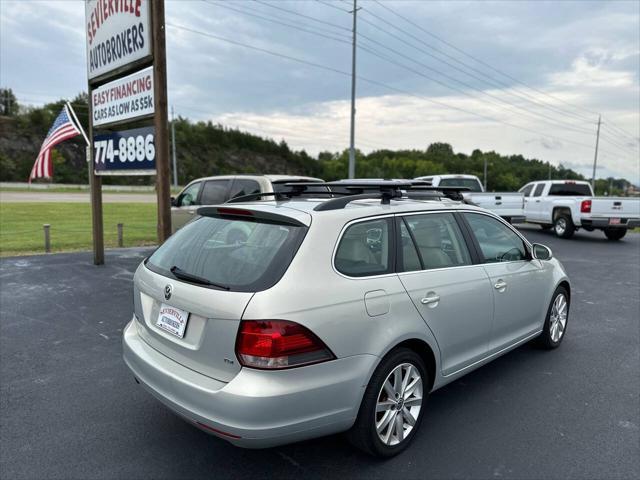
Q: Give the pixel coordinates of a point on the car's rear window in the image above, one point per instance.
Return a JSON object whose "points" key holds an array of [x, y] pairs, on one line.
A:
{"points": [[243, 255], [470, 183], [570, 189]]}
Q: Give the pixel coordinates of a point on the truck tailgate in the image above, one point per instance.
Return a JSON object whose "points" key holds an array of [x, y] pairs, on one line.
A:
{"points": [[617, 207]]}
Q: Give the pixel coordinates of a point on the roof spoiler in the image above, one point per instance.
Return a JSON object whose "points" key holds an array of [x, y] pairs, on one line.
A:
{"points": [[248, 215]]}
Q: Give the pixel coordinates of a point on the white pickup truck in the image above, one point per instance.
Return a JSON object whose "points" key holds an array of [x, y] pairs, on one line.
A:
{"points": [[509, 205], [567, 205]]}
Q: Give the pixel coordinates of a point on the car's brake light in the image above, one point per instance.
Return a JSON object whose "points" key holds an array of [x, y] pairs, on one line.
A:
{"points": [[235, 211], [273, 344], [585, 206]]}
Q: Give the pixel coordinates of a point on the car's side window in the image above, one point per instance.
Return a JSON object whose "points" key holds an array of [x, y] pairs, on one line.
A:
{"points": [[438, 239], [189, 196], [538, 190], [526, 190], [409, 259], [214, 192], [498, 242], [364, 249], [244, 186]]}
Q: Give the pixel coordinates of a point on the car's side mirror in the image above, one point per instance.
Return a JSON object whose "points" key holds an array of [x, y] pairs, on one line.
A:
{"points": [[541, 252], [173, 202]]}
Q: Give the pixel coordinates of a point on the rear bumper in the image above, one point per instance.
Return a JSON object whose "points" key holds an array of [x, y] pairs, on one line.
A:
{"points": [[604, 222], [257, 408]]}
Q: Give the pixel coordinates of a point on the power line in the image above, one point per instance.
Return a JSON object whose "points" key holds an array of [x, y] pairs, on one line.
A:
{"points": [[469, 86], [494, 82], [512, 106], [375, 82], [468, 55], [302, 15], [296, 27], [332, 6], [484, 77]]}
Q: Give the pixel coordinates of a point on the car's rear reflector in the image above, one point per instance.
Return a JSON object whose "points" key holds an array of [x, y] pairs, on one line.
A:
{"points": [[219, 432], [585, 206], [275, 344]]}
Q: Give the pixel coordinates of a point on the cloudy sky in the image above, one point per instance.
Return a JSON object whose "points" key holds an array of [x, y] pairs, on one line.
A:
{"points": [[510, 76]]}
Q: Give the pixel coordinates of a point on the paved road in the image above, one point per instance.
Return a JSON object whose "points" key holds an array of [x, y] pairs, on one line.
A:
{"points": [[70, 409], [71, 197]]}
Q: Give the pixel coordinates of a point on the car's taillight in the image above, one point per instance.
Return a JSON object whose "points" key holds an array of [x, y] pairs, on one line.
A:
{"points": [[273, 344], [585, 206]]}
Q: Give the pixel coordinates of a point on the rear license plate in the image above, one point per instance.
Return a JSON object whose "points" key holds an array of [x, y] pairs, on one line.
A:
{"points": [[172, 320], [614, 221]]}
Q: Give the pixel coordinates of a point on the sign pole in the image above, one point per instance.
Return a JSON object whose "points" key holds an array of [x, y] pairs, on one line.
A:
{"points": [[95, 184], [163, 188]]}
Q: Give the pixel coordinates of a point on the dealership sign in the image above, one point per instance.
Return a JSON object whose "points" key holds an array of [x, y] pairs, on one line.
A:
{"points": [[127, 152], [123, 99], [118, 33]]}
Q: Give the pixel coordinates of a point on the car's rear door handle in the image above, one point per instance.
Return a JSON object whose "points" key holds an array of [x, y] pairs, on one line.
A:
{"points": [[430, 299], [500, 285]]}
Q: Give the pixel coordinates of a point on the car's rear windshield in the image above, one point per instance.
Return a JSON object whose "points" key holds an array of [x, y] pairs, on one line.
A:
{"points": [[570, 189], [470, 183], [230, 253]]}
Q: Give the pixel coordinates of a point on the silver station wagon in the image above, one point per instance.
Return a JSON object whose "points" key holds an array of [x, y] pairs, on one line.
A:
{"points": [[268, 322]]}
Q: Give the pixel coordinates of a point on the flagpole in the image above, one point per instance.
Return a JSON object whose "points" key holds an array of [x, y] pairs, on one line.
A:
{"points": [[78, 124]]}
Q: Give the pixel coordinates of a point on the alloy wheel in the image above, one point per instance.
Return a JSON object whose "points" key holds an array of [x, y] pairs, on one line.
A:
{"points": [[399, 404], [558, 320], [561, 226]]}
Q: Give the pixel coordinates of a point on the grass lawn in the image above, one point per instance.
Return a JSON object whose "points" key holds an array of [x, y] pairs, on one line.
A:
{"points": [[21, 229]]}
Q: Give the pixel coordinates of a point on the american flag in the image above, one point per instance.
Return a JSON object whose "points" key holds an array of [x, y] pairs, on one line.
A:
{"points": [[62, 129]]}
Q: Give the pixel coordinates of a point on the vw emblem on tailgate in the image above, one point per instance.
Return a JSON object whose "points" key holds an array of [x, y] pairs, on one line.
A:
{"points": [[168, 289]]}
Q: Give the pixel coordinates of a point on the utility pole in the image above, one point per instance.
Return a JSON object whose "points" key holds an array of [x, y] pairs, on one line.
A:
{"points": [[163, 180], [595, 158], [484, 178], [352, 147], [173, 147], [549, 163]]}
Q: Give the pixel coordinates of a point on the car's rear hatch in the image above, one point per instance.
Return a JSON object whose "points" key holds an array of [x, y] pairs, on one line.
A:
{"points": [[239, 251]]}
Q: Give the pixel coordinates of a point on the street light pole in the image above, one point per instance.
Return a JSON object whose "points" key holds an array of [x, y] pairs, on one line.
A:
{"points": [[595, 158], [352, 147], [484, 178]]}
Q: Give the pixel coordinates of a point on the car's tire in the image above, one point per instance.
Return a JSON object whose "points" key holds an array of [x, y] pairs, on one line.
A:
{"points": [[546, 226], [615, 233], [563, 226], [378, 396], [555, 324]]}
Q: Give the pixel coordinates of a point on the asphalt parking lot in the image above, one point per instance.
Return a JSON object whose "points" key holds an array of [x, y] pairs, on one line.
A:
{"points": [[70, 409]]}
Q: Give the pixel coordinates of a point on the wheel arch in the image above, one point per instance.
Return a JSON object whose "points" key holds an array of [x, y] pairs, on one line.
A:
{"points": [[567, 286], [557, 211], [423, 349]]}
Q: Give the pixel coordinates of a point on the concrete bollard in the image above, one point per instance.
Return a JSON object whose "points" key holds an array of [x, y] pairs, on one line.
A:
{"points": [[47, 238], [120, 236]]}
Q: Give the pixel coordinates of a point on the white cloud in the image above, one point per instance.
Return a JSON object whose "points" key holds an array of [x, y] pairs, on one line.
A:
{"points": [[593, 69]]}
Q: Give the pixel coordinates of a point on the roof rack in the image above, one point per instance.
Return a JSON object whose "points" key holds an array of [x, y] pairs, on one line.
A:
{"points": [[386, 190], [346, 191]]}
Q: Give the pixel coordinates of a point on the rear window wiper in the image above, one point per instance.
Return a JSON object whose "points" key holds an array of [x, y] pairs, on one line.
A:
{"points": [[188, 277]]}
